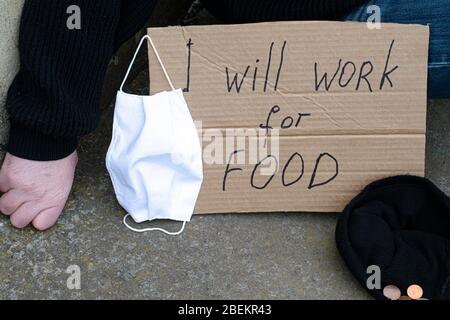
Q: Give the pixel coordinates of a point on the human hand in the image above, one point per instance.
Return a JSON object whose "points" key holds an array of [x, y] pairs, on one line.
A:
{"points": [[35, 191]]}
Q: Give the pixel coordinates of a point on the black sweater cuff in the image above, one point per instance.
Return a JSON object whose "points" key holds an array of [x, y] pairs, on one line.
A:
{"points": [[27, 144]]}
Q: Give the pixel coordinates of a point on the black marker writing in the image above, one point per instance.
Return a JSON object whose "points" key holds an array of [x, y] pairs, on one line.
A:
{"points": [[313, 183], [268, 66], [286, 167], [255, 75], [228, 170], [280, 66], [324, 78], [347, 73], [365, 75], [235, 80], [239, 80], [387, 73], [252, 180], [188, 76], [275, 109], [348, 63]]}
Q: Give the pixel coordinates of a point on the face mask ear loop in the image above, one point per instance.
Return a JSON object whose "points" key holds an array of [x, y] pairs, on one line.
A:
{"points": [[153, 229], [146, 37]]}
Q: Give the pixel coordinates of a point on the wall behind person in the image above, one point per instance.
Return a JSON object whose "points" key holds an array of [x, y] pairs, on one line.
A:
{"points": [[10, 11]]}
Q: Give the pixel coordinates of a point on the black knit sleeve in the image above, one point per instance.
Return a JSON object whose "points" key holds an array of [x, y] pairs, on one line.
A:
{"points": [[55, 97], [243, 11]]}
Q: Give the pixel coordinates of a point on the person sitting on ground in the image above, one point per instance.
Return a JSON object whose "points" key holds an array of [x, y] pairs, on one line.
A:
{"points": [[55, 97]]}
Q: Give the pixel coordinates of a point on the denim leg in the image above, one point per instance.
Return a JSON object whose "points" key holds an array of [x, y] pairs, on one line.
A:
{"points": [[435, 13]]}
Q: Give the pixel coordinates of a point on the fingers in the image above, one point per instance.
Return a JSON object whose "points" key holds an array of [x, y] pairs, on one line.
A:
{"points": [[45, 186], [28, 212], [24, 215], [4, 183], [11, 201], [47, 218]]}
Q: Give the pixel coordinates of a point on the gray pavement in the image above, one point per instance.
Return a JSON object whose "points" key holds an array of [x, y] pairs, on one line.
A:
{"points": [[279, 256]]}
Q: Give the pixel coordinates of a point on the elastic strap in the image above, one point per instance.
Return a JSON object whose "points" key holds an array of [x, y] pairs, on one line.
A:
{"points": [[146, 37], [153, 229]]}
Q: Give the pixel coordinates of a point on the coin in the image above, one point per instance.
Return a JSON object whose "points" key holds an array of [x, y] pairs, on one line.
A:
{"points": [[404, 298], [392, 292], [415, 292]]}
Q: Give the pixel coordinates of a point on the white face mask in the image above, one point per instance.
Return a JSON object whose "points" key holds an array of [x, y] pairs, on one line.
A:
{"points": [[154, 159]]}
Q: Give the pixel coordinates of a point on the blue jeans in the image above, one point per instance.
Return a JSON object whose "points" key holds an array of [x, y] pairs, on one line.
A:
{"points": [[435, 13]]}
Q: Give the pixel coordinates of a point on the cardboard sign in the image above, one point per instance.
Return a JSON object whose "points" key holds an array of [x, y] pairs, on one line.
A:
{"points": [[298, 116]]}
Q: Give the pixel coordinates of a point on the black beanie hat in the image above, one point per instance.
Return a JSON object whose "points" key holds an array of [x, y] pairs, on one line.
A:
{"points": [[402, 225]]}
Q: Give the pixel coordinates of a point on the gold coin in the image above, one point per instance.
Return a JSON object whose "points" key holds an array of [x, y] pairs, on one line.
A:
{"points": [[392, 292], [404, 298], [415, 292]]}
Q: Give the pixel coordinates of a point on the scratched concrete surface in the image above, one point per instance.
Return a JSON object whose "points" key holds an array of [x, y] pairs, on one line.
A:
{"points": [[279, 256], [9, 62]]}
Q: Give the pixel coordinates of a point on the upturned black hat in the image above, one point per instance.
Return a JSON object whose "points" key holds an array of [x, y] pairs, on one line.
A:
{"points": [[401, 225]]}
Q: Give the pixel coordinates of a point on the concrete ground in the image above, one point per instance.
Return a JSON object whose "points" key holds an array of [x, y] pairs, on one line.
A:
{"points": [[250, 256]]}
